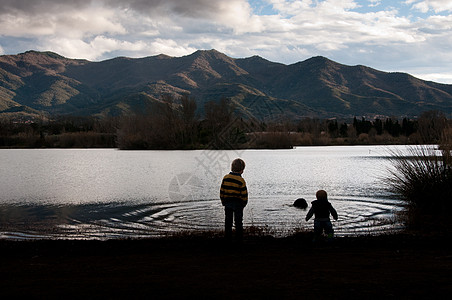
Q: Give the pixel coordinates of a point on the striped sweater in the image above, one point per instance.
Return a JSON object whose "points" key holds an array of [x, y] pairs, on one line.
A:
{"points": [[233, 186]]}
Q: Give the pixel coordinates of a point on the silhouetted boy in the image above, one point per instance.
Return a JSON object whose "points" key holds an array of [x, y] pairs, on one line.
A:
{"points": [[321, 209], [234, 197]]}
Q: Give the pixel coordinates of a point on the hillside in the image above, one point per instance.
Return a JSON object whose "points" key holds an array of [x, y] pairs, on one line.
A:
{"points": [[46, 83]]}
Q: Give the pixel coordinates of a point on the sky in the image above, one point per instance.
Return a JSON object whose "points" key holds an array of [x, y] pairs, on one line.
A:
{"points": [[412, 36]]}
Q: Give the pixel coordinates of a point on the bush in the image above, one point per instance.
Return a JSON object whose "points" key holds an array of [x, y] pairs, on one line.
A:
{"points": [[423, 179], [81, 140], [273, 140]]}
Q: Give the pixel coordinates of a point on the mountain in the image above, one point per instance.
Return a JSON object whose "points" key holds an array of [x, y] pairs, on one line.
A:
{"points": [[36, 83]]}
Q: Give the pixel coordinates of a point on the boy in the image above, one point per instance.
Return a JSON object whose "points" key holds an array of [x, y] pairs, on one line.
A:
{"points": [[234, 197], [321, 208]]}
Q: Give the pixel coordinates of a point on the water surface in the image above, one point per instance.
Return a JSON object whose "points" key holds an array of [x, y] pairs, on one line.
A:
{"points": [[107, 193]]}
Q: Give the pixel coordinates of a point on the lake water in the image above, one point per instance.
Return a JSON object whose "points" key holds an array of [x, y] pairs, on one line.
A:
{"points": [[108, 193]]}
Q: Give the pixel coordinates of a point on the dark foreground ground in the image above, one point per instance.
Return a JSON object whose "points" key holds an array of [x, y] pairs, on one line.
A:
{"points": [[402, 266]]}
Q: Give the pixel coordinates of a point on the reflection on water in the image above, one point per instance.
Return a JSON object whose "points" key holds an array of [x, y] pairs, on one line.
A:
{"points": [[106, 193]]}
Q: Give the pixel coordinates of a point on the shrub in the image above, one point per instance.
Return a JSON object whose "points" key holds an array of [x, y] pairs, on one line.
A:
{"points": [[423, 179], [273, 140]]}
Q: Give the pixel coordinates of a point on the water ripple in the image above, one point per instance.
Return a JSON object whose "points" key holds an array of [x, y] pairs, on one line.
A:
{"points": [[97, 221]]}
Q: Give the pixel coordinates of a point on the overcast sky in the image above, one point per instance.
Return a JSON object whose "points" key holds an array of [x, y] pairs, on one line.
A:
{"points": [[413, 36]]}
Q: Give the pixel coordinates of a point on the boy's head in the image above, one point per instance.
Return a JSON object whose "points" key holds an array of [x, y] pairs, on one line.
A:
{"points": [[238, 165], [321, 195]]}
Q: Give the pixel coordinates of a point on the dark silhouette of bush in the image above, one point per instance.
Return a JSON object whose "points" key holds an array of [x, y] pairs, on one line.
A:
{"points": [[423, 179]]}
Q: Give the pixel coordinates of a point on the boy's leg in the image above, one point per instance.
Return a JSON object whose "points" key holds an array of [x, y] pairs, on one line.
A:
{"points": [[229, 211], [238, 219], [329, 230], [318, 229]]}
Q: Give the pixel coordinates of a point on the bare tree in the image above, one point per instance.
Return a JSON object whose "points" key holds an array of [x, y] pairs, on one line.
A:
{"points": [[431, 125], [189, 119]]}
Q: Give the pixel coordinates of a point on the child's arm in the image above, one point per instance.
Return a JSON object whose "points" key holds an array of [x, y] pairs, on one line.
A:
{"points": [[310, 213], [222, 194], [244, 194], [333, 212]]}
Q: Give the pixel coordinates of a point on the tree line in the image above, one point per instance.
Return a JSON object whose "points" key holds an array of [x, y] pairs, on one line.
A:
{"points": [[175, 123], [57, 132]]}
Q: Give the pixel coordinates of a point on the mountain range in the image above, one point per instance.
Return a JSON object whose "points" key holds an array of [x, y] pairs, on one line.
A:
{"points": [[36, 83]]}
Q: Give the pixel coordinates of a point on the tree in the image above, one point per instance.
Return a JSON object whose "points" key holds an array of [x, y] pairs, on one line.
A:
{"points": [[391, 127], [189, 120], [431, 126], [343, 130], [408, 127], [362, 126], [378, 125], [221, 123], [333, 128]]}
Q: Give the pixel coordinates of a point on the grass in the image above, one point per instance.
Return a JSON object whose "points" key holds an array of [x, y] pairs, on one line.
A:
{"points": [[423, 179], [248, 232]]}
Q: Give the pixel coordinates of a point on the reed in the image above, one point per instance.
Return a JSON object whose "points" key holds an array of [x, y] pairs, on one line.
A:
{"points": [[423, 179]]}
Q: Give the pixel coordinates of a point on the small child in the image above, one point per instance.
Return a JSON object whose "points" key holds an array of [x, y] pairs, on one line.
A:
{"points": [[321, 208], [234, 197]]}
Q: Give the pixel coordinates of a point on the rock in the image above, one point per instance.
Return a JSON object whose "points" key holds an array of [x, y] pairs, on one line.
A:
{"points": [[300, 203]]}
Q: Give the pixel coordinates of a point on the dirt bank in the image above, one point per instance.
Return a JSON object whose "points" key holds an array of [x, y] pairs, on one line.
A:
{"points": [[401, 266]]}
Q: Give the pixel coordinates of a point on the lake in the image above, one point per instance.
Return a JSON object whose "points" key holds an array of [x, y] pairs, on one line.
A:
{"points": [[108, 193]]}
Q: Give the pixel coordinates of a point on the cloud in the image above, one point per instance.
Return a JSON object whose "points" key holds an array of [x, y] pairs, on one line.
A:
{"points": [[91, 50], [59, 18], [235, 15], [436, 5], [436, 77], [374, 3], [32, 8], [197, 9], [330, 24], [343, 30], [334, 24]]}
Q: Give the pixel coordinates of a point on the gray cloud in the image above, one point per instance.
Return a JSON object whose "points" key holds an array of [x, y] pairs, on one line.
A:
{"points": [[39, 6], [186, 8], [99, 29]]}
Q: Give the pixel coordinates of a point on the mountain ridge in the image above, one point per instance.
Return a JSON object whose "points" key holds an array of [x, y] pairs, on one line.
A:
{"points": [[48, 83]]}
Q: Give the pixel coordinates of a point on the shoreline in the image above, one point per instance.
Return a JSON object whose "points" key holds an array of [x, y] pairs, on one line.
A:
{"points": [[401, 265], [225, 149]]}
